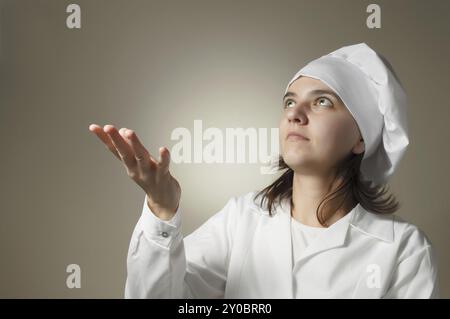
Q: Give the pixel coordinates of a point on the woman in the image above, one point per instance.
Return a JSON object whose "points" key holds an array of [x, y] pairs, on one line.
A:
{"points": [[322, 230]]}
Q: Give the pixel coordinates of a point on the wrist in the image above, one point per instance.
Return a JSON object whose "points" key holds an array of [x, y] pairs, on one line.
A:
{"points": [[161, 212]]}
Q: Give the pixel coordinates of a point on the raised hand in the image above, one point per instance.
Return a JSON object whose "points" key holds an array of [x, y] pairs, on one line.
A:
{"points": [[153, 176]]}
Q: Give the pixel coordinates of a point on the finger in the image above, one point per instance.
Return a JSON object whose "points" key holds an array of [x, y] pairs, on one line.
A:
{"points": [[121, 132], [143, 157], [122, 146], [98, 130], [164, 159]]}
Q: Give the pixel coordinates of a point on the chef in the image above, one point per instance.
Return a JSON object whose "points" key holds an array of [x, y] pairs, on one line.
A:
{"points": [[343, 131]]}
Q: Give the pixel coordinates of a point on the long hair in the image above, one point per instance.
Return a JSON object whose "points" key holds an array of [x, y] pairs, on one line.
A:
{"points": [[371, 197]]}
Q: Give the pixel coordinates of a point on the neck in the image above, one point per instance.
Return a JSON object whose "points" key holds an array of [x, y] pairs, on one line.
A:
{"points": [[309, 191]]}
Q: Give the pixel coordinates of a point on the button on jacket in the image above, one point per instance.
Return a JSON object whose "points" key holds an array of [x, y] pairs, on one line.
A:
{"points": [[242, 252]]}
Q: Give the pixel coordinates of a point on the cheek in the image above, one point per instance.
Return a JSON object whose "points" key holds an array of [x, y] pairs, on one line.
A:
{"points": [[281, 135], [333, 137]]}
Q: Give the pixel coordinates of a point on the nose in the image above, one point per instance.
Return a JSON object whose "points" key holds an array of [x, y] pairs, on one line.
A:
{"points": [[297, 114]]}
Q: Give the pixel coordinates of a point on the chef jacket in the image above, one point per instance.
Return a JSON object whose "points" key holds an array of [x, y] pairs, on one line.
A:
{"points": [[242, 252]]}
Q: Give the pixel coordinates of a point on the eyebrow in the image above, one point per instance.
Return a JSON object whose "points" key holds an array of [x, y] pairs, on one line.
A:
{"points": [[313, 92]]}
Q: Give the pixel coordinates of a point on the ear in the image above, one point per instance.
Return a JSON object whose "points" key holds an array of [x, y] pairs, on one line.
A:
{"points": [[359, 147]]}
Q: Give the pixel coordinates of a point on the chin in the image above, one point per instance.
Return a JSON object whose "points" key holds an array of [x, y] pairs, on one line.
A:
{"points": [[295, 161]]}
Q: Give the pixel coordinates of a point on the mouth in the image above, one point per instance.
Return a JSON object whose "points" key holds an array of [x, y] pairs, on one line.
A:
{"points": [[296, 137]]}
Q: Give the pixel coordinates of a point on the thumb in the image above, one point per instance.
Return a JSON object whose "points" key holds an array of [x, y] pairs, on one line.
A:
{"points": [[164, 158]]}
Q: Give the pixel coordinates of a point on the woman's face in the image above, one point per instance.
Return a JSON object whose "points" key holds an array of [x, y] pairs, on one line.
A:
{"points": [[324, 120]]}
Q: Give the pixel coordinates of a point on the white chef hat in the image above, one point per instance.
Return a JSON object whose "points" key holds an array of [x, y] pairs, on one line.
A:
{"points": [[370, 90]]}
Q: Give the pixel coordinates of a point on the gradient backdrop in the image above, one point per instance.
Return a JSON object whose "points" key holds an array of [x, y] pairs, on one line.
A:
{"points": [[154, 66]]}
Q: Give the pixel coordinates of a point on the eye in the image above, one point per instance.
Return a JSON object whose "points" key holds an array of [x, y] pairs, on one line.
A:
{"points": [[322, 99], [322, 102], [287, 102]]}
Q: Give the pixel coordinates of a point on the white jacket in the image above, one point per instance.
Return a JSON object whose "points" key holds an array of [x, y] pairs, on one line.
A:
{"points": [[242, 252]]}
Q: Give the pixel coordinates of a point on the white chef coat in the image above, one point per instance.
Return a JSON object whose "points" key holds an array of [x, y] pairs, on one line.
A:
{"points": [[242, 252], [302, 236]]}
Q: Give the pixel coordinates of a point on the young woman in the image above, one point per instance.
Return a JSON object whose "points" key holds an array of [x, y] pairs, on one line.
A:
{"points": [[321, 230]]}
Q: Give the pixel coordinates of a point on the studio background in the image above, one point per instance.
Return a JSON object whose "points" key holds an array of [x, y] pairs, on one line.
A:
{"points": [[154, 66]]}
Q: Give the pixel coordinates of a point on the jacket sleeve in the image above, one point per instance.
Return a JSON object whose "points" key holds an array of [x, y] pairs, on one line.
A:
{"points": [[163, 264], [416, 275]]}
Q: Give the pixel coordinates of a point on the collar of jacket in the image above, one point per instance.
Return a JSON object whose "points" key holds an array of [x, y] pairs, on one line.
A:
{"points": [[376, 225]]}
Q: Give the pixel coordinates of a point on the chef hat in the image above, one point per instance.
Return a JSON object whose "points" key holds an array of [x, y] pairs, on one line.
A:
{"points": [[375, 98]]}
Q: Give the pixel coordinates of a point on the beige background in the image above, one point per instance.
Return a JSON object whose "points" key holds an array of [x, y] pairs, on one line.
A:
{"points": [[157, 65]]}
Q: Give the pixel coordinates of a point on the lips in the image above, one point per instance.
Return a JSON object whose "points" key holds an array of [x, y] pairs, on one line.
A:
{"points": [[297, 135]]}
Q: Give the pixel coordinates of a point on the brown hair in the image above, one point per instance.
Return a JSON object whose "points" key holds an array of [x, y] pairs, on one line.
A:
{"points": [[371, 197]]}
